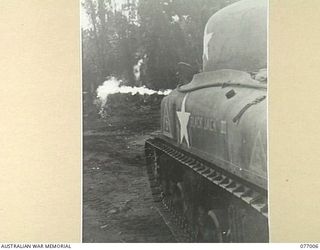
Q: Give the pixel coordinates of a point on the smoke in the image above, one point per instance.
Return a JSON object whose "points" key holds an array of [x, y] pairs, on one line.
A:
{"points": [[112, 86], [175, 19], [136, 69]]}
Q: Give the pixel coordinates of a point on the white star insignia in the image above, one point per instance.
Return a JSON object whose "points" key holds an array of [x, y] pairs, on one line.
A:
{"points": [[206, 40], [184, 119]]}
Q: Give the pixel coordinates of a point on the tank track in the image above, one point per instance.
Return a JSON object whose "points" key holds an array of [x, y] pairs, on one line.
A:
{"points": [[249, 195], [175, 222]]}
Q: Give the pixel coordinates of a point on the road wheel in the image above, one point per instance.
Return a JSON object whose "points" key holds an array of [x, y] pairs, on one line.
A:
{"points": [[209, 227]]}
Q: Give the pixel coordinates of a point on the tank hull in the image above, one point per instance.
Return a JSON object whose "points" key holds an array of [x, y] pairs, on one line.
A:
{"points": [[226, 126]]}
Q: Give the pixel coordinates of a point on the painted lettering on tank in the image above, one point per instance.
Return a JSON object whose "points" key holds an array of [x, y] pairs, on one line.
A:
{"points": [[166, 126], [204, 123], [187, 121], [199, 122], [223, 127]]}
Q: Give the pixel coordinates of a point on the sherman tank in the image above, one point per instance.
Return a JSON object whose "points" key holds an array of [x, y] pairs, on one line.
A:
{"points": [[208, 165]]}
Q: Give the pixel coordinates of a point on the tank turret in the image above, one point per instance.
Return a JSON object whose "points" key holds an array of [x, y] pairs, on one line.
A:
{"points": [[236, 37]]}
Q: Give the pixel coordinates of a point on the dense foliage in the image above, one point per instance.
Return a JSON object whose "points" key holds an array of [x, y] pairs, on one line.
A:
{"points": [[151, 36]]}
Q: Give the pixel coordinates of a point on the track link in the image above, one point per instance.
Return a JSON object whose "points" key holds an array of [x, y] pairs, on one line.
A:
{"points": [[173, 221]]}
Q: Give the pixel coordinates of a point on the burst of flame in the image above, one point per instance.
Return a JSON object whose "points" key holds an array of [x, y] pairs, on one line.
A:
{"points": [[112, 86]]}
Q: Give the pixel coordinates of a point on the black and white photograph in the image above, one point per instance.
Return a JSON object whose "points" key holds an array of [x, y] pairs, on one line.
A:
{"points": [[175, 121]]}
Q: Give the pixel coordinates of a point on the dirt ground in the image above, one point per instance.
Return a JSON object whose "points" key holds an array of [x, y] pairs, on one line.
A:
{"points": [[117, 202]]}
